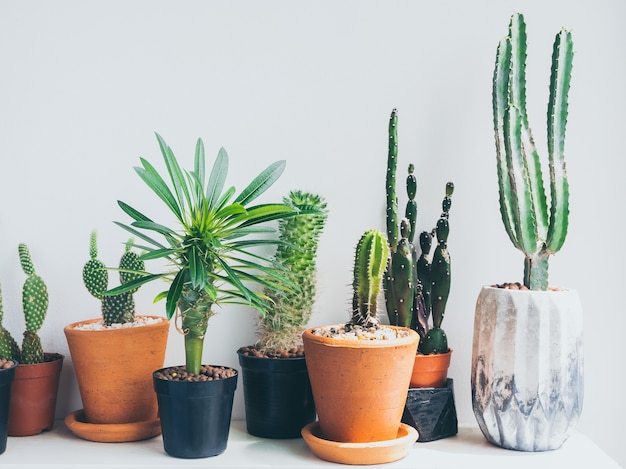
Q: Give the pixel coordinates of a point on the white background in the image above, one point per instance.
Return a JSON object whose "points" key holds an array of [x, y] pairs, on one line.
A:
{"points": [[84, 85]]}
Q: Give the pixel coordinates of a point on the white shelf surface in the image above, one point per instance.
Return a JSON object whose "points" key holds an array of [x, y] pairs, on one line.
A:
{"points": [[59, 447]]}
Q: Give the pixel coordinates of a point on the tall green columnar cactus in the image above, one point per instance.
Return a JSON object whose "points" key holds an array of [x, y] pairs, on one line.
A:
{"points": [[534, 229], [9, 348], [370, 260], [290, 310], [119, 308], [35, 305]]}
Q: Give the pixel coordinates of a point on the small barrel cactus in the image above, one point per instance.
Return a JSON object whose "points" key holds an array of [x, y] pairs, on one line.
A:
{"points": [[370, 260], [35, 306], [415, 287], [534, 228], [120, 308]]}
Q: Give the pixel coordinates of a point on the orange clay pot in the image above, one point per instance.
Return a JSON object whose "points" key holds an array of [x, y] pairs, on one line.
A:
{"points": [[359, 387], [34, 396], [114, 370], [430, 371]]}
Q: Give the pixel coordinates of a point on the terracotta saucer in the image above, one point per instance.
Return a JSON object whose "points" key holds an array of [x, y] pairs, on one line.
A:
{"points": [[111, 432], [376, 452]]}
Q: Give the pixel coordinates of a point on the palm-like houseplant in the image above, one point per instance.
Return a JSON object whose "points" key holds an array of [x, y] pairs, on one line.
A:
{"points": [[211, 254], [214, 255]]}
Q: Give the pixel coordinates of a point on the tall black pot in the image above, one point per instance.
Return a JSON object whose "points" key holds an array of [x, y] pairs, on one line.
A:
{"points": [[195, 416], [277, 396], [6, 383]]}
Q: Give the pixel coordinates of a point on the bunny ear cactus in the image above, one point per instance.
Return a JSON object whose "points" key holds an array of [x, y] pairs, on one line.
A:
{"points": [[370, 260], [290, 310], [119, 308], [533, 228], [9, 348]]}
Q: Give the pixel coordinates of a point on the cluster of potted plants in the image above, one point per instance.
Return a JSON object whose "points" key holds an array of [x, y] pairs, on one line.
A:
{"points": [[361, 378]]}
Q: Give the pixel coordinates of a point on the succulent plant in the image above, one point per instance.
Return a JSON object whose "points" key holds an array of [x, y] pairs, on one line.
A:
{"points": [[290, 310], [370, 261], [211, 254], [35, 306], [119, 308], [415, 287], [534, 228]]}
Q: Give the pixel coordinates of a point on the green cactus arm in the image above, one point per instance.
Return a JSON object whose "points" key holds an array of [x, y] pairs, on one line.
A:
{"points": [[411, 205], [520, 197], [562, 58], [402, 268], [440, 274], [517, 97], [34, 293], [390, 182], [9, 348]]}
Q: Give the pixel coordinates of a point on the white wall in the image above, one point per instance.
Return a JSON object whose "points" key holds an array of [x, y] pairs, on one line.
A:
{"points": [[83, 86]]}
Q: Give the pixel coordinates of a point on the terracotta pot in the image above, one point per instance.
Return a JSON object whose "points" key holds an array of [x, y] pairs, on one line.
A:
{"points": [[430, 371], [34, 396], [359, 387], [114, 370]]}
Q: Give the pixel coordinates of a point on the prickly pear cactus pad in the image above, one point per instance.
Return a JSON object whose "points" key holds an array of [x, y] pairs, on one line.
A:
{"points": [[9, 349]]}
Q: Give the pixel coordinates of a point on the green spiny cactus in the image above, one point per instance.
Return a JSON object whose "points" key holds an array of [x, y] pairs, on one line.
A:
{"points": [[35, 307], [411, 280], [120, 308], [534, 229], [290, 310], [9, 348], [434, 340], [371, 256]]}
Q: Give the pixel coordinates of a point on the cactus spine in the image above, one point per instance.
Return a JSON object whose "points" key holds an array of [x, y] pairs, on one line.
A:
{"points": [[35, 307], [533, 228], [370, 260], [290, 310], [415, 287], [120, 308]]}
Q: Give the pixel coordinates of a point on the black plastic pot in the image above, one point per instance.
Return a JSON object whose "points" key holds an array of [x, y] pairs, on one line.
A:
{"points": [[277, 396], [195, 416], [6, 383]]}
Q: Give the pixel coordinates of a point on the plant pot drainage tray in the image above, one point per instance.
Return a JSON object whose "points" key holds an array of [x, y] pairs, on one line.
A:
{"points": [[111, 432]]}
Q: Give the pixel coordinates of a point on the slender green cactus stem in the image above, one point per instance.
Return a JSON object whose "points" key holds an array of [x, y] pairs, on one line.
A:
{"points": [[533, 228], [371, 255], [392, 200]]}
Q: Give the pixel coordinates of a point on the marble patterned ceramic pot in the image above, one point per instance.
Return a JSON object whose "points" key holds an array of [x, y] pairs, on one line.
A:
{"points": [[527, 367]]}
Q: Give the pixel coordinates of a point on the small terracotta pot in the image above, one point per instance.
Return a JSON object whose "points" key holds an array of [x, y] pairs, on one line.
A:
{"points": [[34, 396], [430, 371], [114, 370], [359, 386]]}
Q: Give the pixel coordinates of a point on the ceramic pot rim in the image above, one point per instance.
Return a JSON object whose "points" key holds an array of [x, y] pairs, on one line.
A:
{"points": [[553, 290], [411, 338], [71, 328]]}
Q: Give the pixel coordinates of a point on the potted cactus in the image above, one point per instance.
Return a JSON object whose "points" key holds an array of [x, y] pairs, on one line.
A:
{"points": [[277, 391], [36, 382], [360, 371], [114, 409], [416, 292], [527, 360], [213, 258]]}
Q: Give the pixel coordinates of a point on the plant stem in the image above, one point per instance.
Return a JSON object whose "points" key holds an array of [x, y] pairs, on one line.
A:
{"points": [[193, 353]]}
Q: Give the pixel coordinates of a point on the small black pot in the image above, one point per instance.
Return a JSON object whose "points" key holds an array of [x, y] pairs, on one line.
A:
{"points": [[195, 416], [277, 396], [6, 383]]}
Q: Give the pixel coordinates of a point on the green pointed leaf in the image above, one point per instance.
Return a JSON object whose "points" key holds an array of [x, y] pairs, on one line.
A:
{"points": [[261, 183], [217, 179], [174, 293], [155, 182]]}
